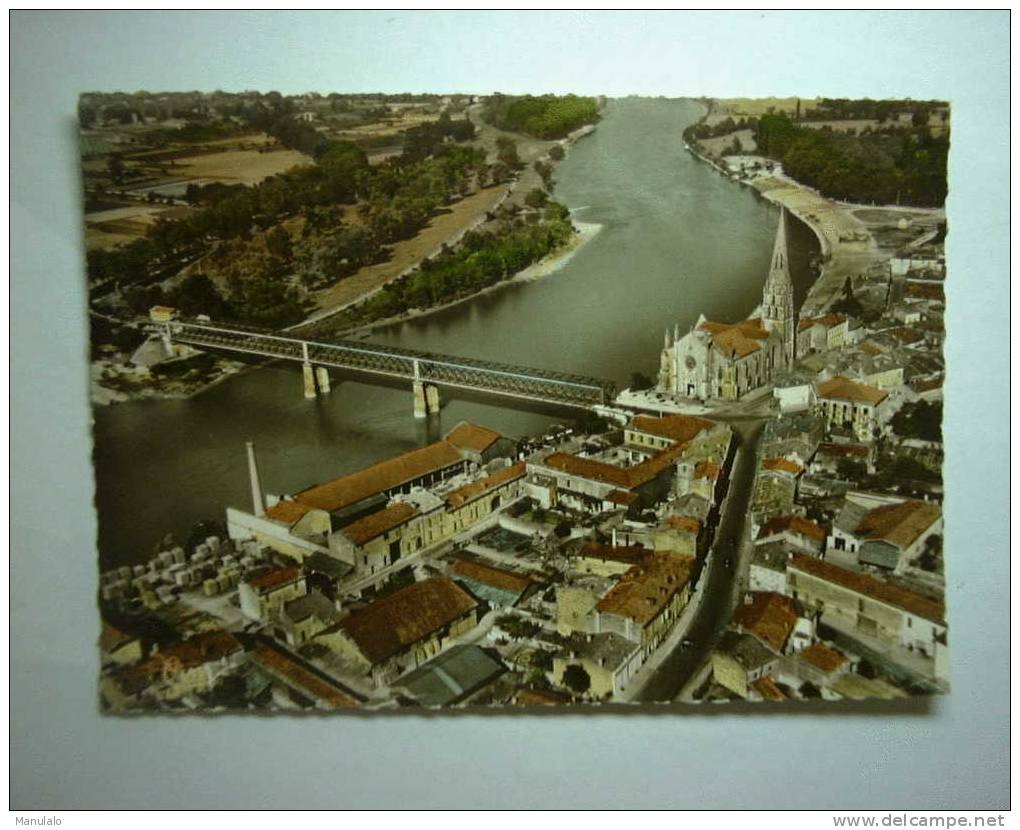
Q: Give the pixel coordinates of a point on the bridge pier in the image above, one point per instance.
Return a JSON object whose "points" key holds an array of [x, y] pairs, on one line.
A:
{"points": [[322, 379], [168, 343], [426, 399], [309, 375]]}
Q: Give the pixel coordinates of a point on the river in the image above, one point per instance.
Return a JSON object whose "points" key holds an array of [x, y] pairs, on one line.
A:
{"points": [[677, 239]]}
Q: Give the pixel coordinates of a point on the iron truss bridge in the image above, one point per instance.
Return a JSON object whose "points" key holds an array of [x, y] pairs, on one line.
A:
{"points": [[405, 364]]}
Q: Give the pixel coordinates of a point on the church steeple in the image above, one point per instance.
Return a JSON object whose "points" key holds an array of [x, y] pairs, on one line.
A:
{"points": [[779, 270], [777, 299]]}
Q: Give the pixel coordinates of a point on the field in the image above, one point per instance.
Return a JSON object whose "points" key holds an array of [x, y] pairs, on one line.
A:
{"points": [[235, 160], [760, 106], [444, 228], [716, 146], [238, 166]]}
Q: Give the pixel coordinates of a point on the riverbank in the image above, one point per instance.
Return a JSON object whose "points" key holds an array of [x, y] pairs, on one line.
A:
{"points": [[113, 382], [847, 246], [549, 264]]}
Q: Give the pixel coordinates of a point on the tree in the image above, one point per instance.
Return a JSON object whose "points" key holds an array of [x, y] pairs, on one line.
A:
{"points": [[847, 468], [197, 294], [810, 690], [544, 169], [506, 152], [536, 198], [278, 243], [576, 679], [920, 419], [556, 152]]}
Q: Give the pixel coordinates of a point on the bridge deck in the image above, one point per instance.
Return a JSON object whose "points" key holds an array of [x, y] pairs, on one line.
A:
{"points": [[441, 370]]}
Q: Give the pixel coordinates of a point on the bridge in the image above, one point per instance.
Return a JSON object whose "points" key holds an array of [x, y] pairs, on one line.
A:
{"points": [[425, 371]]}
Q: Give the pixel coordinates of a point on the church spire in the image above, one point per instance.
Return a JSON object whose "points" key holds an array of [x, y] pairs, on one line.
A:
{"points": [[780, 267], [777, 299]]}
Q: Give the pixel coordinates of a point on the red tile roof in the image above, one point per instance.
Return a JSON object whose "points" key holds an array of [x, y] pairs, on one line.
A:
{"points": [[203, 648], [737, 339], [392, 624], [275, 579], [622, 497], [381, 477], [770, 617], [679, 428], [843, 389], [925, 291], [468, 436], [687, 524], [286, 511], [856, 450], [767, 688], [624, 478], [793, 524], [477, 489], [540, 697], [707, 469], [783, 465], [490, 575], [647, 588], [869, 586], [627, 554], [373, 525], [822, 657], [828, 321], [308, 682], [899, 524]]}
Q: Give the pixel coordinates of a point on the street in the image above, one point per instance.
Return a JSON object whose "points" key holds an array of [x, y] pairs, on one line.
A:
{"points": [[719, 582]]}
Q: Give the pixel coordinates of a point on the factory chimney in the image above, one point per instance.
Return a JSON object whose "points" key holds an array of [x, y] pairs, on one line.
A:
{"points": [[257, 499]]}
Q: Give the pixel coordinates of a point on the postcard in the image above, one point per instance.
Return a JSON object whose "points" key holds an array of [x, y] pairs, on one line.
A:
{"points": [[448, 400]]}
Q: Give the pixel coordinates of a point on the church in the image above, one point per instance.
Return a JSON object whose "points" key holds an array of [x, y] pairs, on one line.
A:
{"points": [[728, 360]]}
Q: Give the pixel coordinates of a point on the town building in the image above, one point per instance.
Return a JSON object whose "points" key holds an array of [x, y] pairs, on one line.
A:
{"points": [[371, 518], [499, 587], [190, 667], [798, 532], [452, 676], [301, 681], [740, 659], [644, 604], [885, 532], [854, 406], [402, 630], [771, 617], [263, 596], [609, 659], [303, 617], [868, 608]]}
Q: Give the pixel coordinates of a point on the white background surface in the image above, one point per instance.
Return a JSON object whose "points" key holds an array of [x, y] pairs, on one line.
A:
{"points": [[948, 753]]}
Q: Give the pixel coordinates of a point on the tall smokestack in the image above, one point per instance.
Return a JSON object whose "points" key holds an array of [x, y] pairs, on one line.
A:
{"points": [[258, 501]]}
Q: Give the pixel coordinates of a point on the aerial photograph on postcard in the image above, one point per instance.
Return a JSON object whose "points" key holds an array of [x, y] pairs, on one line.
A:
{"points": [[417, 401]]}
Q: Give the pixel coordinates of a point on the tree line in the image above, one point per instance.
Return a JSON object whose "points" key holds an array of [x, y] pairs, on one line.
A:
{"points": [[483, 259], [544, 116], [906, 166]]}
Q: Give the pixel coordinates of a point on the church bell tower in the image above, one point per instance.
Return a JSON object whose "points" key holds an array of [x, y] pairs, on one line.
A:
{"points": [[777, 300]]}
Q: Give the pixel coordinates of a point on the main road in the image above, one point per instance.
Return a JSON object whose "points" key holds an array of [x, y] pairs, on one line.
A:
{"points": [[720, 584]]}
